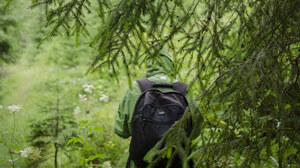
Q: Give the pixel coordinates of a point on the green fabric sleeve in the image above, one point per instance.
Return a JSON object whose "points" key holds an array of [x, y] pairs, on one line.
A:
{"points": [[121, 124], [126, 110]]}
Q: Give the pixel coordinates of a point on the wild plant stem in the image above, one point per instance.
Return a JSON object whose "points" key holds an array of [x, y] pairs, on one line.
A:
{"points": [[11, 139], [11, 158], [57, 121]]}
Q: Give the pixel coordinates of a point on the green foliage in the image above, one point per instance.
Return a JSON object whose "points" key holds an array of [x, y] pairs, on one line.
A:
{"points": [[52, 131], [8, 27], [241, 58], [95, 143], [32, 82]]}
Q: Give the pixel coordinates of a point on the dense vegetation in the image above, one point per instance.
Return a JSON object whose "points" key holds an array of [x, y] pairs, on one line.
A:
{"points": [[65, 64]]}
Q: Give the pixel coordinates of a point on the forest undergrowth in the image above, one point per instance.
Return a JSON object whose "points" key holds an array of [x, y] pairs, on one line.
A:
{"points": [[52, 113], [65, 65], [36, 95]]}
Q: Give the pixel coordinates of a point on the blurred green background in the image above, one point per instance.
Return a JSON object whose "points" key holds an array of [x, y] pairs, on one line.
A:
{"points": [[43, 79]]}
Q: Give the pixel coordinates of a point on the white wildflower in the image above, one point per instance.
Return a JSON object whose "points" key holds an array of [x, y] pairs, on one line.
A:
{"points": [[278, 124], [104, 98], [30, 153], [1, 107], [88, 88], [77, 111], [82, 97], [106, 164], [14, 108], [25, 153]]}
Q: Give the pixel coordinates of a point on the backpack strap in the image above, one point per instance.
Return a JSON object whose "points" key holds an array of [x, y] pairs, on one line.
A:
{"points": [[180, 87], [145, 84]]}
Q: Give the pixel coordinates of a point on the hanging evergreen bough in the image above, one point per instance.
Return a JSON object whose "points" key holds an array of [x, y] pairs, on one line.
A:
{"points": [[242, 58], [8, 26]]}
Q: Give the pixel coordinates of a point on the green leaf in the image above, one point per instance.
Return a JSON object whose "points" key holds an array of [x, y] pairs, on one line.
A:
{"points": [[7, 4], [169, 153], [74, 140], [98, 156], [287, 106], [97, 128]]}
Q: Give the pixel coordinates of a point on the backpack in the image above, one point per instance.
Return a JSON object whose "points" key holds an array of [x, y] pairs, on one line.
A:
{"points": [[155, 112]]}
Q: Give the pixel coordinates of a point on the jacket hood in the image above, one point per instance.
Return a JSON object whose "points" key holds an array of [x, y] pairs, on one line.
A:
{"points": [[161, 63]]}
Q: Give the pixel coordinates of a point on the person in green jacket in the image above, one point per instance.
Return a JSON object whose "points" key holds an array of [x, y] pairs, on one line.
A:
{"points": [[160, 69]]}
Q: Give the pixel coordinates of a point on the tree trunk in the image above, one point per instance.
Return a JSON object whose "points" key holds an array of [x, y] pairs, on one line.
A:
{"points": [[56, 152]]}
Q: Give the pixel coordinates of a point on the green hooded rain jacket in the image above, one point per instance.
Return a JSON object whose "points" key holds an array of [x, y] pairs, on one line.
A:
{"points": [[158, 70]]}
